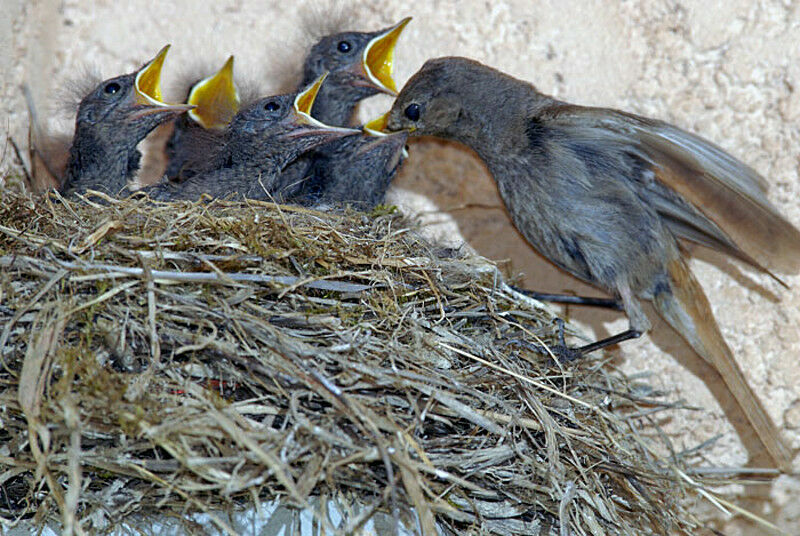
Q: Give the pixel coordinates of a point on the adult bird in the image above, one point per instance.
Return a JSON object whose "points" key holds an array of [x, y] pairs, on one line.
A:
{"points": [[216, 100], [111, 121], [256, 145], [607, 195]]}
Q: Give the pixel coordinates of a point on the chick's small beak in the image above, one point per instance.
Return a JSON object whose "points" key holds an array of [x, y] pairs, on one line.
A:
{"points": [[303, 104], [216, 98], [378, 58], [377, 127], [392, 124]]}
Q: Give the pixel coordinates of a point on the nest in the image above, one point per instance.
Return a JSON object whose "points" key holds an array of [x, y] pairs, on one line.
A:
{"points": [[203, 357]]}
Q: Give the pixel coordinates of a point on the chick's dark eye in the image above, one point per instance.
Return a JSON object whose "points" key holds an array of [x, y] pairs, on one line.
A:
{"points": [[272, 106], [344, 47], [111, 88], [412, 112]]}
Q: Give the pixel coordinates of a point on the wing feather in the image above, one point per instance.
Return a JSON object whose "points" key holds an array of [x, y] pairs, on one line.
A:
{"points": [[734, 217]]}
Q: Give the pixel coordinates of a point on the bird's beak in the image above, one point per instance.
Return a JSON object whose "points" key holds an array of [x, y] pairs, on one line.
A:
{"points": [[377, 128], [378, 57], [303, 104], [216, 98], [147, 89]]}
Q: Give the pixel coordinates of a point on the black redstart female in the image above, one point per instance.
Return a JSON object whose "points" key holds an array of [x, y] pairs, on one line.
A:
{"points": [[606, 195]]}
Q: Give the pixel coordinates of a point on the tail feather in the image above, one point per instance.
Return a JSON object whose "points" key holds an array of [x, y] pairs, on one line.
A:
{"points": [[686, 309]]}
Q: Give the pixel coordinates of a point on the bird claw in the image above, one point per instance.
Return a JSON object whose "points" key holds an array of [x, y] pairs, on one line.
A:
{"points": [[565, 354], [560, 351]]}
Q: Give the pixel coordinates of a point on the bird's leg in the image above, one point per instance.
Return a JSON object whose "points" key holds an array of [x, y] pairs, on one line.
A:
{"points": [[565, 354], [638, 322], [638, 325], [607, 303], [608, 341]]}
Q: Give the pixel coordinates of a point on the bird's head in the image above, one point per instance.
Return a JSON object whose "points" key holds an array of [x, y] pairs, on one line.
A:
{"points": [[282, 127], [458, 99], [126, 108], [363, 61]]}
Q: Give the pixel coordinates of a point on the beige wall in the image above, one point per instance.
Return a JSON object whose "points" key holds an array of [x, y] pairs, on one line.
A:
{"points": [[727, 70]]}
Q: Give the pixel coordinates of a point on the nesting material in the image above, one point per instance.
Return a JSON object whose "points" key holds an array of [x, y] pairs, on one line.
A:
{"points": [[165, 358]]}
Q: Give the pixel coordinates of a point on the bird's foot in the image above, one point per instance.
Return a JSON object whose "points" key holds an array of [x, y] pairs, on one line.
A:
{"points": [[565, 354], [560, 351]]}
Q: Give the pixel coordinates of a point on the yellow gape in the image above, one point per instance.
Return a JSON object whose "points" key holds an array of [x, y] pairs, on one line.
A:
{"points": [[148, 80], [304, 101], [216, 98], [378, 59]]}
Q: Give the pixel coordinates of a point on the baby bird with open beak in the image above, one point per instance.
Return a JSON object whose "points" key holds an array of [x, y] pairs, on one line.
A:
{"points": [[361, 65], [606, 196], [110, 123], [260, 140], [216, 100]]}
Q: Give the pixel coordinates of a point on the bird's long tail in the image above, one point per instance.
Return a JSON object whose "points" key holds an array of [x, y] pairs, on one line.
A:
{"points": [[687, 310]]}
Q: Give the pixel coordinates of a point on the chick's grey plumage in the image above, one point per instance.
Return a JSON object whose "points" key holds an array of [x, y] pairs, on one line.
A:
{"points": [[108, 127], [346, 85], [260, 140], [354, 171], [185, 146], [357, 175], [606, 195]]}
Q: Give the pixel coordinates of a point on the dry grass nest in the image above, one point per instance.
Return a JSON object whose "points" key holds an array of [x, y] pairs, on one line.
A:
{"points": [[197, 357]]}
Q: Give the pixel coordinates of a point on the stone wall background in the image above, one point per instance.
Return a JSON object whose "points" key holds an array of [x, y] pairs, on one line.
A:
{"points": [[728, 70]]}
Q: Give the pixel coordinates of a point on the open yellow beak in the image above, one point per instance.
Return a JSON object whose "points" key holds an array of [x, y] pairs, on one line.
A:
{"points": [[378, 58], [377, 126], [216, 98], [148, 80], [303, 104], [147, 88]]}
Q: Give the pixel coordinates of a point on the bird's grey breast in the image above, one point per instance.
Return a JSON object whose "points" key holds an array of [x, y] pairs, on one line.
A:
{"points": [[581, 205]]}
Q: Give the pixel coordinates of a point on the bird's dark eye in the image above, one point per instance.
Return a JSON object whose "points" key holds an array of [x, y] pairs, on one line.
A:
{"points": [[412, 112], [344, 47], [272, 106], [111, 88]]}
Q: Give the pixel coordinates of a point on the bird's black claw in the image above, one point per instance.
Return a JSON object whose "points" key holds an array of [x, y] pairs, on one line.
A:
{"points": [[561, 352], [565, 354]]}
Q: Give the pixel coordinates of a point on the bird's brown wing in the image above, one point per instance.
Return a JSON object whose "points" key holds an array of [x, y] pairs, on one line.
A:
{"points": [[739, 219]]}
